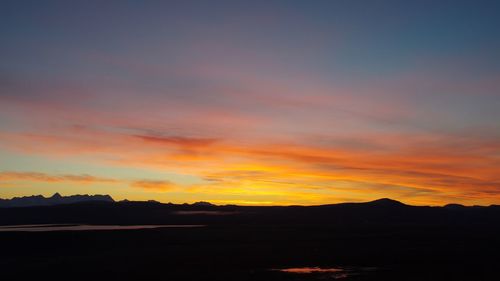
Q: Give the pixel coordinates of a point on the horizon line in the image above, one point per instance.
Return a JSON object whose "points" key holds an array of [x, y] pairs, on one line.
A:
{"points": [[248, 205]]}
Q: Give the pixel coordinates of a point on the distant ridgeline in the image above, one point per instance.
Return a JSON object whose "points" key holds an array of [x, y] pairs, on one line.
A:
{"points": [[56, 199], [102, 209]]}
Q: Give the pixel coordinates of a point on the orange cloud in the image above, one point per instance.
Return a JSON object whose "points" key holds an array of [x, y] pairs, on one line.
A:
{"points": [[422, 170], [42, 177], [153, 185], [184, 142]]}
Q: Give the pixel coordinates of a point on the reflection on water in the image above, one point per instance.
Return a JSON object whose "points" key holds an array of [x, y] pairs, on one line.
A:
{"points": [[31, 225], [310, 270], [213, 213], [83, 227], [325, 273]]}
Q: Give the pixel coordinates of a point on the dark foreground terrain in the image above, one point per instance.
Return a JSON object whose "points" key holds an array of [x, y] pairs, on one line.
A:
{"points": [[382, 240]]}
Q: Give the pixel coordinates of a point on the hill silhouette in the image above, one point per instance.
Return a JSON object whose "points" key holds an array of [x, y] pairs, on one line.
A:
{"points": [[56, 199]]}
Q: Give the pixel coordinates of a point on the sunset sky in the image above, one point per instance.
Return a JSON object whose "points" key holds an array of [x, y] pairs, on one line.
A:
{"points": [[252, 102]]}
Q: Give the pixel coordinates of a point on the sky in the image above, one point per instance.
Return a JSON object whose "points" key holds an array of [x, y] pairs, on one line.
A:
{"points": [[251, 102]]}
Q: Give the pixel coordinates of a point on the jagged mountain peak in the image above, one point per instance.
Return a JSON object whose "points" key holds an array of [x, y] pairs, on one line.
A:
{"points": [[56, 196], [56, 199]]}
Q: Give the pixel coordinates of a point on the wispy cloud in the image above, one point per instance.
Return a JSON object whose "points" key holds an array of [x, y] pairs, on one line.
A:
{"points": [[153, 185], [185, 142], [42, 177], [9, 178], [423, 168]]}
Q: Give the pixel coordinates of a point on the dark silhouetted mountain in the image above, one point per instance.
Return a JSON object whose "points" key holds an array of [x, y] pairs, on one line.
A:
{"points": [[56, 199], [202, 203], [386, 202], [454, 206]]}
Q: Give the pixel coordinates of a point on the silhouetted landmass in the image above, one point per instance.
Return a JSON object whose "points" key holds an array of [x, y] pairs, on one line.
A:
{"points": [[203, 203], [383, 240], [101, 209], [56, 199]]}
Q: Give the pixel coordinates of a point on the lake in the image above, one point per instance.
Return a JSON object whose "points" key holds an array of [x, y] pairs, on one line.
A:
{"points": [[84, 227]]}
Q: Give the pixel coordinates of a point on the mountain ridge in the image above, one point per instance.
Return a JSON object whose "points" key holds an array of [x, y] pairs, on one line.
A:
{"points": [[56, 199], [380, 213]]}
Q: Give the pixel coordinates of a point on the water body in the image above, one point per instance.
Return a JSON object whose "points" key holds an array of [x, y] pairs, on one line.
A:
{"points": [[327, 273], [85, 227], [309, 269]]}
